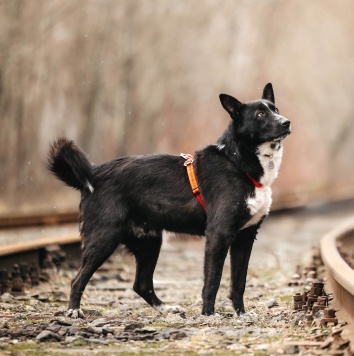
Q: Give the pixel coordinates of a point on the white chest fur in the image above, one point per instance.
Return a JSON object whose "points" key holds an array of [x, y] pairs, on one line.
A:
{"points": [[269, 155]]}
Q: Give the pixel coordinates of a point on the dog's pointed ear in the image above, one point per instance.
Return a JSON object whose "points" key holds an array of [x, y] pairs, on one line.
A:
{"points": [[268, 93], [230, 104]]}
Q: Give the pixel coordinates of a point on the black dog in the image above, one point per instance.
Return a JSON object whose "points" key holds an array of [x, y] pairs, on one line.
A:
{"points": [[131, 200]]}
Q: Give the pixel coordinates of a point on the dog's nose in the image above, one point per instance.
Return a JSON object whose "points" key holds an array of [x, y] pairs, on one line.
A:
{"points": [[286, 123]]}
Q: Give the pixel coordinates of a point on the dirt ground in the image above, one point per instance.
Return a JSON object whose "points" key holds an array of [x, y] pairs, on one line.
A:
{"points": [[119, 322]]}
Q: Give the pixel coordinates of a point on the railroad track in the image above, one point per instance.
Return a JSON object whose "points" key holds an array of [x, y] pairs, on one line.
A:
{"points": [[340, 274], [38, 220], [21, 262]]}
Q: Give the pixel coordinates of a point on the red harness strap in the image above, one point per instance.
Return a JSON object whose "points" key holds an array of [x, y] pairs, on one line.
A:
{"points": [[192, 178], [256, 183]]}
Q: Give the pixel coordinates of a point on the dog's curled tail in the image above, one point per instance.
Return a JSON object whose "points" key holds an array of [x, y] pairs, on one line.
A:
{"points": [[69, 164]]}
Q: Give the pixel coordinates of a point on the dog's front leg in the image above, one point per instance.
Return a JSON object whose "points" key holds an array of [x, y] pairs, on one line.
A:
{"points": [[216, 249], [240, 252]]}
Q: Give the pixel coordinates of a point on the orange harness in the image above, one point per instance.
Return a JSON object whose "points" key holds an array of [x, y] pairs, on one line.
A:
{"points": [[192, 178]]}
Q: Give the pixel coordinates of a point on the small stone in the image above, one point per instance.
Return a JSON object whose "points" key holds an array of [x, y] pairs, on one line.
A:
{"points": [[53, 328], [7, 298], [261, 347], [97, 341], [178, 335], [111, 340], [115, 322], [73, 330], [133, 326], [59, 296], [241, 349], [48, 335], [271, 303], [59, 313], [43, 298], [62, 331], [62, 321], [291, 349], [19, 316], [71, 339], [99, 322], [7, 306], [4, 324], [146, 330], [94, 330], [34, 302], [122, 337], [113, 313], [22, 298], [107, 330]]}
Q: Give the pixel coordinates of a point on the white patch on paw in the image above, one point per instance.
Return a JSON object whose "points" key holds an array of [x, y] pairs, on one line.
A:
{"points": [[169, 309], [248, 316], [75, 313]]}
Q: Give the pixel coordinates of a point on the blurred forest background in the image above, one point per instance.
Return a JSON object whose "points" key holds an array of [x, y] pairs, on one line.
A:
{"points": [[136, 76]]}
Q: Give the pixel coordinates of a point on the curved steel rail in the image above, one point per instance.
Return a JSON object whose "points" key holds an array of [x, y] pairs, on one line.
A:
{"points": [[340, 275], [38, 244], [33, 251], [7, 222]]}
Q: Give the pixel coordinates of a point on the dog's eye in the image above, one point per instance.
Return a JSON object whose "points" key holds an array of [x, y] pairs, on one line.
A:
{"points": [[260, 114], [276, 110]]}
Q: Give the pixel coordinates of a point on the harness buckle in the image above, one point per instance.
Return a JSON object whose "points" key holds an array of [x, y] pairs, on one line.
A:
{"points": [[188, 157]]}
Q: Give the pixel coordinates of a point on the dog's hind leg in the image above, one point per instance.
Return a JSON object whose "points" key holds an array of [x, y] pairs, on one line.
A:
{"points": [[240, 252], [96, 250], [146, 250]]}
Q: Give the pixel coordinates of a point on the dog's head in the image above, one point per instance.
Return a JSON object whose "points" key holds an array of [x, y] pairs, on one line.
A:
{"points": [[258, 121]]}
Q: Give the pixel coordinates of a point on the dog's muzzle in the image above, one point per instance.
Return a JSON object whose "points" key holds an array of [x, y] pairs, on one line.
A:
{"points": [[286, 125]]}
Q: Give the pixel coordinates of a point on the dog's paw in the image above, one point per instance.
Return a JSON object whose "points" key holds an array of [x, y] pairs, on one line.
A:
{"points": [[175, 309], [171, 309], [248, 316], [75, 313]]}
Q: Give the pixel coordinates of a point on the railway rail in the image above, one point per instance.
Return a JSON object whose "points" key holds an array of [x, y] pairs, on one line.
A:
{"points": [[38, 220], [25, 259], [340, 274]]}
